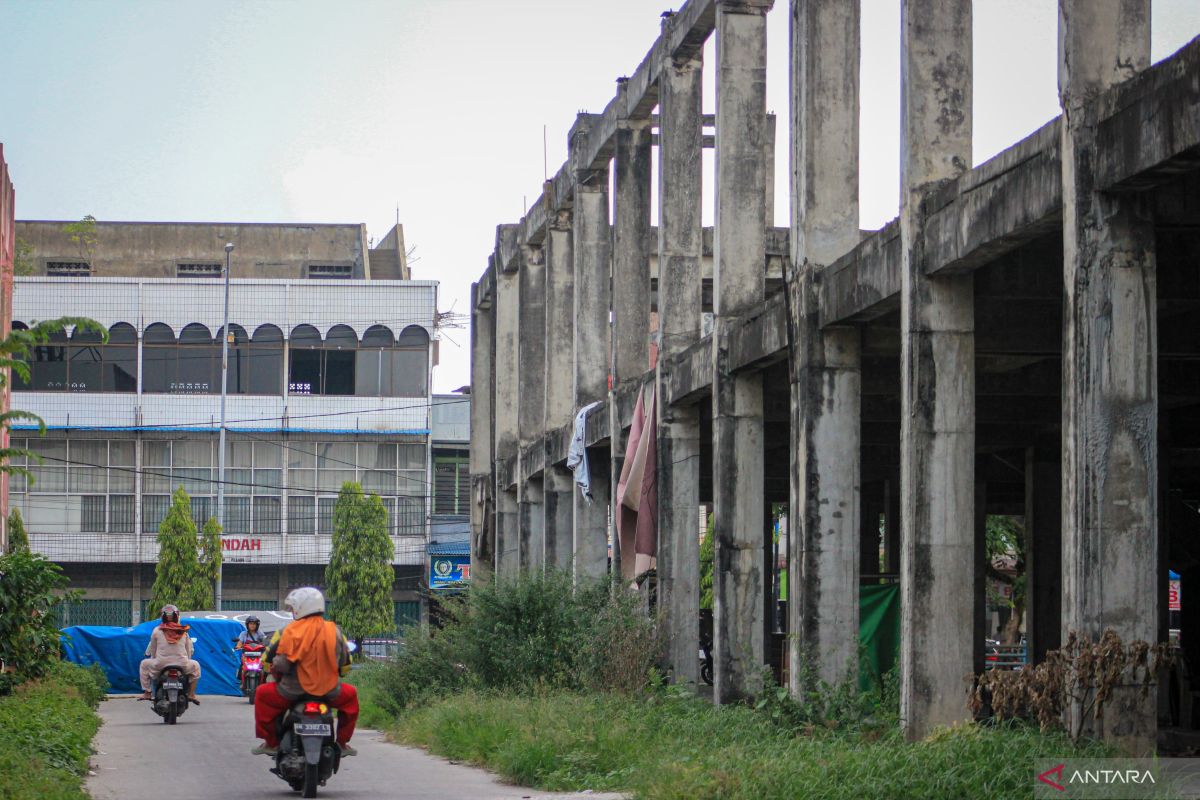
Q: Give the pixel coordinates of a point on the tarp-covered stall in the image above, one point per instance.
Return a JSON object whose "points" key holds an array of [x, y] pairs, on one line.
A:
{"points": [[119, 651]]}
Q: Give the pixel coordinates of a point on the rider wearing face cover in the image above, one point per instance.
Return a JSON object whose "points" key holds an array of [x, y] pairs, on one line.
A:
{"points": [[309, 656], [169, 644]]}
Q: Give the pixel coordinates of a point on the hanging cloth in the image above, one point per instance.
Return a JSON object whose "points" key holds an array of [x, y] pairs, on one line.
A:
{"points": [[577, 460], [637, 491]]}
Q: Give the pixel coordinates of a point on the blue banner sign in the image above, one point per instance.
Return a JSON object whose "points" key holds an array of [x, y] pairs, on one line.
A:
{"points": [[449, 572]]}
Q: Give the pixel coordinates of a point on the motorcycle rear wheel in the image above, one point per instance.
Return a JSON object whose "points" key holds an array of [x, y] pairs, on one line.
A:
{"points": [[169, 717], [311, 776]]}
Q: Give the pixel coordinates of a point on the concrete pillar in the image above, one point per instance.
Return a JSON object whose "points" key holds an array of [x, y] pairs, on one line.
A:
{"points": [[507, 390], [590, 546], [937, 447], [739, 283], [531, 521], [1110, 381], [531, 406], [482, 436], [825, 378], [631, 253], [680, 238], [591, 249], [1043, 552], [558, 486]]}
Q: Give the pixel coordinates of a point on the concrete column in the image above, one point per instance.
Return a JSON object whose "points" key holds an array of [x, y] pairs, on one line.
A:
{"points": [[739, 282], [591, 249], [937, 447], [482, 436], [558, 486], [531, 521], [507, 389], [680, 237], [590, 546], [531, 407], [1043, 552], [631, 253], [1110, 381], [825, 379]]}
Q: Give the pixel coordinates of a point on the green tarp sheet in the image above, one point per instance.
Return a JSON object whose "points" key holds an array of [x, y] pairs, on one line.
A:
{"points": [[878, 630]]}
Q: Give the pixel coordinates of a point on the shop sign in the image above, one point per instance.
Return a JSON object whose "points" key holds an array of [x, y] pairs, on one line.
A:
{"points": [[230, 543], [447, 572], [1173, 602]]}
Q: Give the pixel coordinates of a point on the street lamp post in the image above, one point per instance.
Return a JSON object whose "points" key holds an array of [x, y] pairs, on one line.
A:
{"points": [[221, 433]]}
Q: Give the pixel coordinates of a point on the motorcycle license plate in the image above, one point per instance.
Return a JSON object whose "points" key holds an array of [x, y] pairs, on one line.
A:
{"points": [[313, 728], [172, 685]]}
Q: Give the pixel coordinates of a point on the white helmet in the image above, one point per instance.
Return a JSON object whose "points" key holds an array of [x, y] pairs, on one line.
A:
{"points": [[304, 602]]}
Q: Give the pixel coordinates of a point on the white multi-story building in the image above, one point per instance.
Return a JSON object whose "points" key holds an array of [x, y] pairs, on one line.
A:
{"points": [[329, 381]]}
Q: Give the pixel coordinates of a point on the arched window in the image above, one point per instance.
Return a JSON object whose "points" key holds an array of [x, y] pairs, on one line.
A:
{"points": [[120, 359], [341, 344], [410, 363], [373, 366], [304, 367], [159, 362], [319, 366], [19, 383], [266, 360], [199, 370], [239, 359], [48, 365]]}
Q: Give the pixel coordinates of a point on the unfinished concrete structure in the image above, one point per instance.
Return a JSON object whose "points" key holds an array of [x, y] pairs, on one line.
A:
{"points": [[1017, 342]]}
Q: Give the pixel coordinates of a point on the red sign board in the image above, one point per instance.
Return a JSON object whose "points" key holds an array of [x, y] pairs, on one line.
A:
{"points": [[1173, 596], [233, 544]]}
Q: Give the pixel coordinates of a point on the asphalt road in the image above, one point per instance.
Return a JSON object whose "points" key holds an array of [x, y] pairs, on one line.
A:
{"points": [[206, 756]]}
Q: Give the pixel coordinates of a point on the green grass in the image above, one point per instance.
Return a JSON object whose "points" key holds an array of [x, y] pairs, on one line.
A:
{"points": [[667, 745], [46, 730]]}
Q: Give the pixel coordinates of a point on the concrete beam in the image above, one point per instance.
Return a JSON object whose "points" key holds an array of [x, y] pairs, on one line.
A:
{"points": [[1110, 386], [591, 248], [937, 439], [483, 333], [631, 251]]}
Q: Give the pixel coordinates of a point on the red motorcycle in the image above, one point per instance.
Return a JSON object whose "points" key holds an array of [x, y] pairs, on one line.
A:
{"points": [[251, 671]]}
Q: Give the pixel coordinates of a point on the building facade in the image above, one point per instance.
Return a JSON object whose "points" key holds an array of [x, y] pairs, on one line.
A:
{"points": [[328, 381]]}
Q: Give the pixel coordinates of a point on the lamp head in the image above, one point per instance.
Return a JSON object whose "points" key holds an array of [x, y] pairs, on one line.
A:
{"points": [[229, 247]]}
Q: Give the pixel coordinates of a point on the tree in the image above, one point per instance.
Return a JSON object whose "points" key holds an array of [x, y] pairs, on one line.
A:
{"points": [[359, 576], [1005, 539], [17, 538], [82, 234], [178, 577], [210, 550], [22, 257], [707, 547]]}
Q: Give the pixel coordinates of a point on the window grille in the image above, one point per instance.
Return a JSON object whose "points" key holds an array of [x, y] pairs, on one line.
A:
{"points": [[327, 271], [198, 270], [68, 269]]}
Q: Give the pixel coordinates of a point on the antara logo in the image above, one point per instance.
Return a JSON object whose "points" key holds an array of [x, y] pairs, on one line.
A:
{"points": [[1057, 772], [1054, 777]]}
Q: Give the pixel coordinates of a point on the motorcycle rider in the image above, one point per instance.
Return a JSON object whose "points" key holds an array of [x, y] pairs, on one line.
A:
{"points": [[308, 657], [169, 644], [252, 635]]}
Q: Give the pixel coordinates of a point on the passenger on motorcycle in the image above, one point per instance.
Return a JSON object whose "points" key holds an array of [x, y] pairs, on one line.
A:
{"points": [[308, 657], [169, 644]]}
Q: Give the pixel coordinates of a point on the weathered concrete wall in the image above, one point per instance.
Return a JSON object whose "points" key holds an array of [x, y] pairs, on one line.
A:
{"points": [[153, 249]]}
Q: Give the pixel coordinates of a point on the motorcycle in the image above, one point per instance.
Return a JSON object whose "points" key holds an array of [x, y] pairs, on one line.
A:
{"points": [[308, 754], [169, 693], [252, 669]]}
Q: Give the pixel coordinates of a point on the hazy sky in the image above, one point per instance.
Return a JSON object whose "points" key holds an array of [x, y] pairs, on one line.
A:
{"points": [[322, 111]]}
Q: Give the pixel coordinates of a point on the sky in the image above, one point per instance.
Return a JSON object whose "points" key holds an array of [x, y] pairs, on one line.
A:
{"points": [[440, 112]]}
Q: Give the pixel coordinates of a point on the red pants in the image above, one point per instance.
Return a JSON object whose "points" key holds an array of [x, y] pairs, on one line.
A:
{"points": [[270, 705]]}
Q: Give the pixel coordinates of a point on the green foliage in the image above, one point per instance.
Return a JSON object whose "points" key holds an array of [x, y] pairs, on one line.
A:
{"points": [[841, 706], [14, 350], [18, 539], [22, 257], [210, 550], [178, 576], [674, 746], [526, 635], [46, 729], [707, 549], [82, 234], [359, 576], [30, 586]]}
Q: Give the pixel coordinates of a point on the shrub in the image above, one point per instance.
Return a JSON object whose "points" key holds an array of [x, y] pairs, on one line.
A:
{"points": [[46, 729], [30, 586], [532, 633]]}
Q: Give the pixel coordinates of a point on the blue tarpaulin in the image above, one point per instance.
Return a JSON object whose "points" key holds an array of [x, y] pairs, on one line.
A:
{"points": [[119, 651]]}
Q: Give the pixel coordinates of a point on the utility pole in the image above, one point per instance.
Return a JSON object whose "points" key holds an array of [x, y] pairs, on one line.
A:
{"points": [[221, 433]]}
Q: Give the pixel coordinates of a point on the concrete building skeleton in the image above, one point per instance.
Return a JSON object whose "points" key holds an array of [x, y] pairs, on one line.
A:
{"points": [[1018, 341]]}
